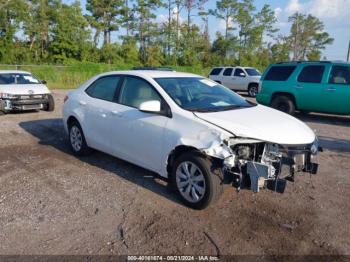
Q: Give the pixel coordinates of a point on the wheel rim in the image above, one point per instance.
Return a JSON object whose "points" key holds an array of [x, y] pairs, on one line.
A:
{"points": [[190, 182], [253, 91], [76, 138]]}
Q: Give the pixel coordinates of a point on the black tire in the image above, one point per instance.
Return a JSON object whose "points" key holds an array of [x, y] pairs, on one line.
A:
{"points": [[212, 176], [50, 106], [284, 104], [253, 89], [83, 149]]}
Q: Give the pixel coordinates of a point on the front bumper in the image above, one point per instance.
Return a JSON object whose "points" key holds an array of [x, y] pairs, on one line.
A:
{"points": [[24, 102]]}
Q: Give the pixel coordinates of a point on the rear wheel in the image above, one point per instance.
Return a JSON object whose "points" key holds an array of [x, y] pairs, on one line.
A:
{"points": [[77, 140], [284, 104], [50, 106], [196, 181], [253, 90]]}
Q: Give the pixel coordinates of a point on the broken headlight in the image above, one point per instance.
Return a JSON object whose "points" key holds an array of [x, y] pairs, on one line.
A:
{"points": [[6, 96], [314, 147]]}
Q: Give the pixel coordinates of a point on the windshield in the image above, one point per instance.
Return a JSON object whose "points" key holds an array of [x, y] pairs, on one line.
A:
{"points": [[17, 79], [252, 72], [201, 94]]}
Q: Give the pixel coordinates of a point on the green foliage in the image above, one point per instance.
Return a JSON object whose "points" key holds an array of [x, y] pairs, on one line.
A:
{"points": [[307, 37], [57, 32]]}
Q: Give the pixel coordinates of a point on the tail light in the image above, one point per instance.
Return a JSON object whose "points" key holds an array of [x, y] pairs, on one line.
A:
{"points": [[65, 99]]}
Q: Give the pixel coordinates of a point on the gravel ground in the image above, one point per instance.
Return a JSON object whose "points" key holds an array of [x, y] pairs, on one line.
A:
{"points": [[54, 203]]}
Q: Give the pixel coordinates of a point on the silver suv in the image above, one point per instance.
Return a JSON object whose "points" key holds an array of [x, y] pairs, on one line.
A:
{"points": [[237, 78]]}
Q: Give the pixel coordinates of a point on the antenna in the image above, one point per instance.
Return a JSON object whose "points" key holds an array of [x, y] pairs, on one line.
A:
{"points": [[348, 57]]}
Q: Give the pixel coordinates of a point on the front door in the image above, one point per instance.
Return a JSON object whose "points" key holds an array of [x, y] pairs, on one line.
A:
{"points": [[138, 136], [239, 80]]}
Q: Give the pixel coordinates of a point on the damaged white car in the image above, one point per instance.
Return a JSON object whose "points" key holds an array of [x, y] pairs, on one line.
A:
{"points": [[20, 91], [189, 129]]}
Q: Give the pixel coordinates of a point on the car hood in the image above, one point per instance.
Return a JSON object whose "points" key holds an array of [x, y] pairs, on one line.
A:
{"points": [[34, 89], [262, 123]]}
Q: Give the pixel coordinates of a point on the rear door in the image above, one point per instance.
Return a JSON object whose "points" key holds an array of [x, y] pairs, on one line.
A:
{"points": [[98, 107], [309, 88], [227, 78], [338, 89]]}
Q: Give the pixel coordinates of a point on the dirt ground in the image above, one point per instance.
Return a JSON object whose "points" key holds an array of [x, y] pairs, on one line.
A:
{"points": [[54, 203]]}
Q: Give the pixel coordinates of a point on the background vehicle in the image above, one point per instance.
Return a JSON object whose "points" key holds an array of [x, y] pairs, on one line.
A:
{"points": [[188, 129], [237, 78], [20, 90], [322, 86]]}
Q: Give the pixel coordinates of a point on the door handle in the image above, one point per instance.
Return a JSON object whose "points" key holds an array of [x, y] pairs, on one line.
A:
{"points": [[83, 103], [331, 89], [298, 87]]}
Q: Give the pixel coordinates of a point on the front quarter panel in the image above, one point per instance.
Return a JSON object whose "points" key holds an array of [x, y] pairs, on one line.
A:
{"points": [[185, 129]]}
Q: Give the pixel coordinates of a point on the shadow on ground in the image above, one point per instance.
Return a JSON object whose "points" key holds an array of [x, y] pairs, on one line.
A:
{"points": [[51, 132]]}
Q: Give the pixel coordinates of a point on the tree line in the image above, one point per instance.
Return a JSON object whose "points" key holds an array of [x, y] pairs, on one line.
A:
{"points": [[51, 31]]}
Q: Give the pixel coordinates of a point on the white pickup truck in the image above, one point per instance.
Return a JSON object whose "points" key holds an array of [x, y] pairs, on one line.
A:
{"points": [[20, 91], [237, 78]]}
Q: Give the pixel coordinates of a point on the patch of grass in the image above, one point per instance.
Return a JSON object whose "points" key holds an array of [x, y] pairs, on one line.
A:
{"points": [[71, 76]]}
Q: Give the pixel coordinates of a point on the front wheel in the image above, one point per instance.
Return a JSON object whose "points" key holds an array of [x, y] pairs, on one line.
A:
{"points": [[197, 182], [50, 106]]}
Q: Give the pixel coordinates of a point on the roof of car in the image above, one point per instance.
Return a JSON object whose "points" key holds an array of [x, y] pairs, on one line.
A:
{"points": [[313, 62], [13, 72], [152, 73], [245, 67]]}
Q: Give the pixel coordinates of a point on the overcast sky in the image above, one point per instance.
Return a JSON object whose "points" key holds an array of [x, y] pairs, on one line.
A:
{"points": [[334, 13]]}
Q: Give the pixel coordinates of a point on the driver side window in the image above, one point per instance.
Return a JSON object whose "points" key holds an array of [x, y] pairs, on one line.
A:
{"points": [[136, 91]]}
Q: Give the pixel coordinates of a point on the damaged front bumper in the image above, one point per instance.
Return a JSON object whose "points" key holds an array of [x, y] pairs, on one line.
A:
{"points": [[267, 165], [23, 102]]}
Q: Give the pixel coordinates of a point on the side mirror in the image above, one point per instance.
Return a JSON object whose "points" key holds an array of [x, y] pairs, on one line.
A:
{"points": [[43, 82], [152, 106], [242, 74]]}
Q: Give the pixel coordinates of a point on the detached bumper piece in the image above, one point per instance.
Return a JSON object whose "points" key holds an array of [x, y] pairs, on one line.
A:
{"points": [[272, 166], [25, 102], [274, 176]]}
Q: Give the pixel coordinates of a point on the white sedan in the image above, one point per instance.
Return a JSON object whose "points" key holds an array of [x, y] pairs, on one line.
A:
{"points": [[190, 130], [20, 90]]}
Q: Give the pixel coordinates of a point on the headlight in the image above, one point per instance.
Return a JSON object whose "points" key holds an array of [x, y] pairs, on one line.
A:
{"points": [[6, 96], [314, 147]]}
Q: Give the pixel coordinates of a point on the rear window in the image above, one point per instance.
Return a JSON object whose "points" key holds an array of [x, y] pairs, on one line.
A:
{"points": [[311, 74], [215, 71], [228, 72], [279, 73]]}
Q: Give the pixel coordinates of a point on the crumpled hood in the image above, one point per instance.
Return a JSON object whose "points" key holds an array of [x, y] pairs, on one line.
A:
{"points": [[35, 89], [262, 123]]}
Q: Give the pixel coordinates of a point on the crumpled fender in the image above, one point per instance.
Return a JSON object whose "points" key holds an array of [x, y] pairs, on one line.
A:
{"points": [[210, 142]]}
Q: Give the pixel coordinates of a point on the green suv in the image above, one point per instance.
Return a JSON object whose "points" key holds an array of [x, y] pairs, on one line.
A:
{"points": [[322, 86]]}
